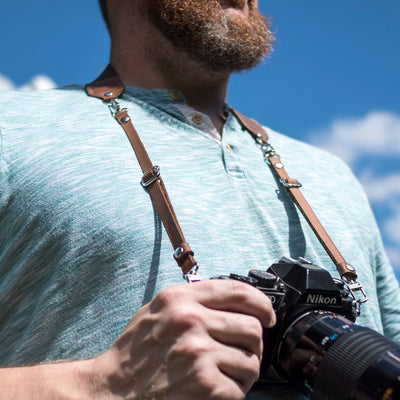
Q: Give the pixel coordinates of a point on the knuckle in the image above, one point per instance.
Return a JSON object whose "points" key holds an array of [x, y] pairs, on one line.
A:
{"points": [[190, 347], [167, 296], [254, 366], [251, 371], [255, 328], [207, 381], [210, 384], [184, 317], [240, 291]]}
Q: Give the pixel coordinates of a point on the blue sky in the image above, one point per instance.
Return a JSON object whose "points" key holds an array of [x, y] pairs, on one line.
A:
{"points": [[333, 78]]}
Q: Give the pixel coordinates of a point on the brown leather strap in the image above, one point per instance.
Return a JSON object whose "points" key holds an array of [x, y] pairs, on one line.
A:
{"points": [[293, 188], [108, 87], [257, 131]]}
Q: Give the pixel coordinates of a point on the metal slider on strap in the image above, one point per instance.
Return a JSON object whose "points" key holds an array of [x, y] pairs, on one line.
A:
{"points": [[150, 176], [287, 183]]}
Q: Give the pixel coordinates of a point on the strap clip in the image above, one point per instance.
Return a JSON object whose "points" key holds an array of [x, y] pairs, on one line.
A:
{"points": [[114, 106], [150, 176], [192, 275], [356, 288]]}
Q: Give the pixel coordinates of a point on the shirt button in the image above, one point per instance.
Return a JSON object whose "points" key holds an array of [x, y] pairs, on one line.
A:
{"points": [[175, 95], [228, 146], [197, 118]]}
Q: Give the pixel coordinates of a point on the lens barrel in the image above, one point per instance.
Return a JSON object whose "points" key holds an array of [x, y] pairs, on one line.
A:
{"points": [[339, 359]]}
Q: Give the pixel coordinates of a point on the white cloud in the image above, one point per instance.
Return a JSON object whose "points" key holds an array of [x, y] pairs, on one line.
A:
{"points": [[361, 142], [351, 138], [380, 188], [5, 83], [38, 82]]}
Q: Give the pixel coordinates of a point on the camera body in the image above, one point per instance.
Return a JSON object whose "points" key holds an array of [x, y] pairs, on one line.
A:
{"points": [[315, 344], [296, 288]]}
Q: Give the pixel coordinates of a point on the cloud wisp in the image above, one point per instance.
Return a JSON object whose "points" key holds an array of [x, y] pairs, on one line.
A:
{"points": [[38, 82], [5, 83], [355, 138], [371, 147]]}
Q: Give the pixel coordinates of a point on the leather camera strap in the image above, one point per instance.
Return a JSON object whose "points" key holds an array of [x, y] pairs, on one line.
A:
{"points": [[108, 87], [293, 188]]}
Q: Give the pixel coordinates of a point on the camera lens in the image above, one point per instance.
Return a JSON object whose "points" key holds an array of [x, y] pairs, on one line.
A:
{"points": [[339, 359]]}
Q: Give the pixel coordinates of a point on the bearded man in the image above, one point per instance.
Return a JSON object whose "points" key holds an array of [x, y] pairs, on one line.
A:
{"points": [[93, 304]]}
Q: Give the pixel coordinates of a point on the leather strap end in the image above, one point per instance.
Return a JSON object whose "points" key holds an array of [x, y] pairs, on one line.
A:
{"points": [[183, 255], [107, 86], [347, 271], [187, 264]]}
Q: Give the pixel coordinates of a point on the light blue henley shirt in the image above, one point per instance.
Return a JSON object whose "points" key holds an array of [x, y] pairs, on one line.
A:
{"points": [[82, 248]]}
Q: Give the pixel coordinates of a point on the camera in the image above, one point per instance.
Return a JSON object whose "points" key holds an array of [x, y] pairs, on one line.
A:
{"points": [[315, 344]]}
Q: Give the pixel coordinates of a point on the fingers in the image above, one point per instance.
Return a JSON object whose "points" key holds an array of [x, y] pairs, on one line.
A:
{"points": [[203, 340], [238, 297], [211, 365], [241, 366], [227, 295], [239, 330]]}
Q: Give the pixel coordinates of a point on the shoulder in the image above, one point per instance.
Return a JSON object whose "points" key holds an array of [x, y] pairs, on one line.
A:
{"points": [[13, 96], [20, 109], [26, 114], [38, 101], [34, 124]]}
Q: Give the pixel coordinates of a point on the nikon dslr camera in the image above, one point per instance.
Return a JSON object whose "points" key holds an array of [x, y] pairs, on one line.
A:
{"points": [[315, 344]]}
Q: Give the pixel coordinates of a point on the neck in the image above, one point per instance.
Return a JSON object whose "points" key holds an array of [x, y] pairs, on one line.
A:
{"points": [[144, 58]]}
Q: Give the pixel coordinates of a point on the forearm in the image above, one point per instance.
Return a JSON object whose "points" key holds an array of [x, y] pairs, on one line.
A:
{"points": [[210, 348], [60, 380]]}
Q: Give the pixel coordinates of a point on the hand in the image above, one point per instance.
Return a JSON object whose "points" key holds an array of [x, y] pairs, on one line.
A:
{"points": [[197, 341]]}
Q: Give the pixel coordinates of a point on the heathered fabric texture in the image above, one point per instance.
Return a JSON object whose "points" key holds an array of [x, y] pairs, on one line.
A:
{"points": [[82, 248]]}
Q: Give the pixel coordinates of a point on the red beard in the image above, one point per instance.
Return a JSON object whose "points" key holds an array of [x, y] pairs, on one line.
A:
{"points": [[211, 34]]}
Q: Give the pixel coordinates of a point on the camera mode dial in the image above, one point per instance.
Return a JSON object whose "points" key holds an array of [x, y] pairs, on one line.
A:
{"points": [[264, 278]]}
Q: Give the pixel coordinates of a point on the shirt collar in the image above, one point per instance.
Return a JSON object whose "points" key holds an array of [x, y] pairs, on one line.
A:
{"points": [[171, 102]]}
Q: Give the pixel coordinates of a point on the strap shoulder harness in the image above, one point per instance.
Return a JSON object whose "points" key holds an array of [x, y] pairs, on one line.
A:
{"points": [[109, 88]]}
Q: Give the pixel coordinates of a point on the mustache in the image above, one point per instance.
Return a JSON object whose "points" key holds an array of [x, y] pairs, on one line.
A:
{"points": [[233, 3]]}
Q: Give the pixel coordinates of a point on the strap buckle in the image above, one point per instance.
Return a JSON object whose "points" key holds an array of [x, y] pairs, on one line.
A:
{"points": [[290, 185], [150, 176]]}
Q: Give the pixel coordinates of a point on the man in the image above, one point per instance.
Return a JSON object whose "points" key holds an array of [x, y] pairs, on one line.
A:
{"points": [[83, 250]]}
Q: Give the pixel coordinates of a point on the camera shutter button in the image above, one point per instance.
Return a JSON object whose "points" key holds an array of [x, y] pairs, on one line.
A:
{"points": [[264, 278]]}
